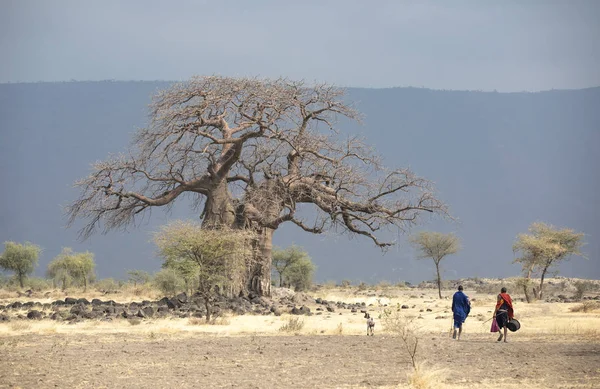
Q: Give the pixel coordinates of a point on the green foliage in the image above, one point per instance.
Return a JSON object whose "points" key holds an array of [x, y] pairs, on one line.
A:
{"points": [[436, 245], [544, 247], [138, 277], [69, 266], [108, 285], [283, 260], [188, 270], [38, 284], [300, 275], [20, 259], [169, 282], [220, 255]]}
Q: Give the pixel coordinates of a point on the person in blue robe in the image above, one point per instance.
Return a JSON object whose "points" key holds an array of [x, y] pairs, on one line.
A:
{"points": [[461, 306]]}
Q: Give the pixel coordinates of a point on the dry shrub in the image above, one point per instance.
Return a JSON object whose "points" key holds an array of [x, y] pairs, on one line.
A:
{"points": [[396, 323], [581, 287], [293, 324], [423, 377], [196, 321], [339, 330], [214, 321], [586, 306]]}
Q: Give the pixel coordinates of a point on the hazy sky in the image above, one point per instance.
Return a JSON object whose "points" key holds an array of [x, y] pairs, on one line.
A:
{"points": [[504, 45]]}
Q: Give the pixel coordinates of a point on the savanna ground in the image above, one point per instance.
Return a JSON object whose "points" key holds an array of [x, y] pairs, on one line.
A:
{"points": [[555, 348]]}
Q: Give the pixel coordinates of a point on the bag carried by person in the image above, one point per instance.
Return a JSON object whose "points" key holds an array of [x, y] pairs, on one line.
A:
{"points": [[495, 327]]}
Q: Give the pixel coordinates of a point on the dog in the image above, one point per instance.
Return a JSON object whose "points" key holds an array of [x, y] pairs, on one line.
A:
{"points": [[370, 325]]}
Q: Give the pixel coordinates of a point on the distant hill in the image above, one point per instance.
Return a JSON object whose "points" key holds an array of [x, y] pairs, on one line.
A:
{"points": [[500, 160]]}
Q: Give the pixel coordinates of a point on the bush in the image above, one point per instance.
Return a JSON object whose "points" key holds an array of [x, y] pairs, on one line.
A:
{"points": [[108, 285], [586, 306], [293, 324], [581, 287], [384, 285], [169, 282], [362, 286], [38, 284], [345, 283]]}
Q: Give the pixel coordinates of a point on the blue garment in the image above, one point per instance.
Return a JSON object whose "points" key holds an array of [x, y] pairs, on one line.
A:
{"points": [[460, 308]]}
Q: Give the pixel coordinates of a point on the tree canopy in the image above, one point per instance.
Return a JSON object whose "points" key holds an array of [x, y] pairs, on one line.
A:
{"points": [[294, 267], [545, 247], [436, 245], [69, 265], [20, 259]]}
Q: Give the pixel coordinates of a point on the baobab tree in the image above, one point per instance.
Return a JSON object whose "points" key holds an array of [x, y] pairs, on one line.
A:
{"points": [[253, 154]]}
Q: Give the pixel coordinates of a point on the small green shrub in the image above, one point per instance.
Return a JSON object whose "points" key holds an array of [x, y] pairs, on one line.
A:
{"points": [[169, 282], [107, 285], [38, 284]]}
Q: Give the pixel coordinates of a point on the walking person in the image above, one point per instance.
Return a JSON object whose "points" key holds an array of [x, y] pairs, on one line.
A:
{"points": [[503, 313], [461, 306]]}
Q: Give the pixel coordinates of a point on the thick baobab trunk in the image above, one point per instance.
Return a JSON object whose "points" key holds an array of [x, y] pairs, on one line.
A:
{"points": [[218, 210], [259, 277]]}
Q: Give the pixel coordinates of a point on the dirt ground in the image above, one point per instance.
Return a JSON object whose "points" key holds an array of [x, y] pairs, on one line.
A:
{"points": [[326, 361]]}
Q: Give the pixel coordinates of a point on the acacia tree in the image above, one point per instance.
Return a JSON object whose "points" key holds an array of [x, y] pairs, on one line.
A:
{"points": [[220, 255], [284, 259], [20, 259], [545, 247], [300, 274], [138, 277], [436, 245], [71, 265], [253, 154]]}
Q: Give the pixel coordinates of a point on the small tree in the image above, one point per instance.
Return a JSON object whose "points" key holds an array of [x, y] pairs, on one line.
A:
{"points": [[436, 245], [20, 259], [220, 254], [300, 274], [545, 247], [59, 272], [138, 277], [187, 269], [284, 259], [168, 281], [71, 265]]}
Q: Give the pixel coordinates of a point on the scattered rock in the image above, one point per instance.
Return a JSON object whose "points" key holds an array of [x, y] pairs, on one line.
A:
{"points": [[34, 315]]}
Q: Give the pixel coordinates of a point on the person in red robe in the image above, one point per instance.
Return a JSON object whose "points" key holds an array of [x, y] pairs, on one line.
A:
{"points": [[504, 312]]}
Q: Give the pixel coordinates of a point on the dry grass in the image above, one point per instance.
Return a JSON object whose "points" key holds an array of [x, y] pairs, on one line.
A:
{"points": [[426, 377], [339, 330], [19, 326], [293, 324], [586, 306]]}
